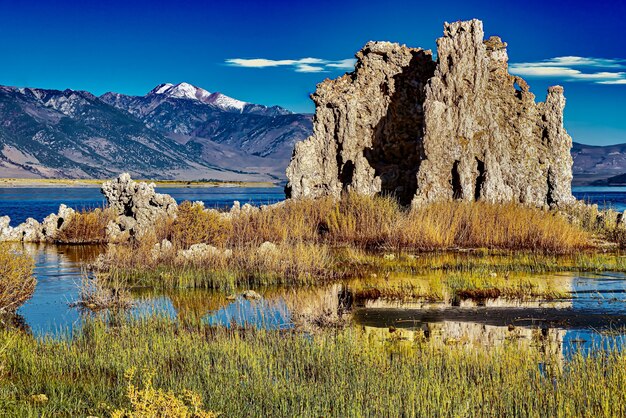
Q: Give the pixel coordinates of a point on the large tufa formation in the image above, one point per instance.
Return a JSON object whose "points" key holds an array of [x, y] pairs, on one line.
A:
{"points": [[461, 128], [367, 126], [137, 207]]}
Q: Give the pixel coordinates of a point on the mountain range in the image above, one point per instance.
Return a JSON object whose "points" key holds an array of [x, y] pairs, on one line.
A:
{"points": [[179, 131], [173, 132]]}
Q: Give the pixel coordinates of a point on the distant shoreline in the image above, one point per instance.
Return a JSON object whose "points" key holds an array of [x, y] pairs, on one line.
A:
{"points": [[92, 183]]}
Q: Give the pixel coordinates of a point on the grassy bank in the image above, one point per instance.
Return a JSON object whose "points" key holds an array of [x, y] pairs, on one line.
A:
{"points": [[258, 373], [308, 242], [370, 222], [17, 283]]}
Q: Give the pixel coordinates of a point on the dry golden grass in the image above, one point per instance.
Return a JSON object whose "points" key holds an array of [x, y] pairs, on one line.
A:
{"points": [[301, 235], [379, 222], [86, 227], [480, 224], [194, 225], [17, 283]]}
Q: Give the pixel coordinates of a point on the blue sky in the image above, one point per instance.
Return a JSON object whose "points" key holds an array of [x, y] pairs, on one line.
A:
{"points": [[131, 46]]}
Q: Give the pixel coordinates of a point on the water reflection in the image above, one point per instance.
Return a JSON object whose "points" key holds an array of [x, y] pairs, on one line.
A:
{"points": [[594, 314]]}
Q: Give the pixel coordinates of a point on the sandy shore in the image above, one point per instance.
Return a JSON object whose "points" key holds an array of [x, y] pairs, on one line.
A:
{"points": [[11, 182]]}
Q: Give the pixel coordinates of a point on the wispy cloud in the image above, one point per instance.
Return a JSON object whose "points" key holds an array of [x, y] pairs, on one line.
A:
{"points": [[572, 68], [302, 65]]}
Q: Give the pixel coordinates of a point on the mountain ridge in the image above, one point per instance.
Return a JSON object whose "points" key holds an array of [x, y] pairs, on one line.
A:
{"points": [[174, 131]]}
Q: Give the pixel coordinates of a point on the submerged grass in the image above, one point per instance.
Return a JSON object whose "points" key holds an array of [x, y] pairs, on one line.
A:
{"points": [[271, 373]]}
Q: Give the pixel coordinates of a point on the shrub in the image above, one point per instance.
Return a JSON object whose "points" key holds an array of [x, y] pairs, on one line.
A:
{"points": [[86, 227], [97, 294], [194, 225], [148, 402], [17, 282]]}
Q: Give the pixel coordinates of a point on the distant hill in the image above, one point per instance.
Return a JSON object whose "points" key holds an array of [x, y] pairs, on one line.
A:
{"points": [[175, 131], [595, 164]]}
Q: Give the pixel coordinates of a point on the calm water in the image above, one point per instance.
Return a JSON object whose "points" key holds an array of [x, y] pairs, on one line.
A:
{"points": [[597, 303], [594, 314], [21, 203], [605, 197]]}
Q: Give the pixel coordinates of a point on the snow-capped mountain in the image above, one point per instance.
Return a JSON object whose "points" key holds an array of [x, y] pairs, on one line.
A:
{"points": [[187, 91], [193, 115], [174, 131]]}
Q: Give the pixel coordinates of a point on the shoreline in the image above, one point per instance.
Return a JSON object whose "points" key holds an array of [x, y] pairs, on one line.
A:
{"points": [[96, 183]]}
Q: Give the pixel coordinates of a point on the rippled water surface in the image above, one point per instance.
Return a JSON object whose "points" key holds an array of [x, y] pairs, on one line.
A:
{"points": [[605, 197]]}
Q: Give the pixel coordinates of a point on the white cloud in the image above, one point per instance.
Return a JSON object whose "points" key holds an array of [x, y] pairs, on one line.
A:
{"points": [[620, 81], [567, 69], [306, 68], [302, 65], [574, 61], [347, 64]]}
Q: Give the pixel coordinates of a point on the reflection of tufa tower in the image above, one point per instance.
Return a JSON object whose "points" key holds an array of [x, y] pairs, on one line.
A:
{"points": [[461, 128], [470, 334]]}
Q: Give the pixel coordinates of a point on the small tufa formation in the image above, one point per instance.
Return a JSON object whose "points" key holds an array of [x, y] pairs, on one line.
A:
{"points": [[137, 206], [33, 231], [461, 128]]}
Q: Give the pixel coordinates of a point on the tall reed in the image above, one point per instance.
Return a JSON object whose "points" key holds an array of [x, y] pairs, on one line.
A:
{"points": [[17, 283], [273, 373]]}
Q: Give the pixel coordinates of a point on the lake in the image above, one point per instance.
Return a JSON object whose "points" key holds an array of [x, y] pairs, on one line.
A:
{"points": [[23, 202], [593, 314]]}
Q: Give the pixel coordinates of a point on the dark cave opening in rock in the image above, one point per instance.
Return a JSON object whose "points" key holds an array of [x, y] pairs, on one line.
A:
{"points": [[347, 172], [480, 180], [549, 194], [457, 189]]}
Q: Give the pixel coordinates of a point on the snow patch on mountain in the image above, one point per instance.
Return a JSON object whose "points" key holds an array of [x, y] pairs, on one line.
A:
{"points": [[224, 102], [189, 91]]}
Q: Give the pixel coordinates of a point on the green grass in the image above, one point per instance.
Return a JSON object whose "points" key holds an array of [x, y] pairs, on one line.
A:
{"points": [[308, 265], [342, 373]]}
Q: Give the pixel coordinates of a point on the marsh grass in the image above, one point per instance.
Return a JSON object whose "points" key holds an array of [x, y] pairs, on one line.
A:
{"points": [[440, 286], [97, 293], [324, 239], [361, 222], [272, 373], [297, 264], [86, 227], [17, 283]]}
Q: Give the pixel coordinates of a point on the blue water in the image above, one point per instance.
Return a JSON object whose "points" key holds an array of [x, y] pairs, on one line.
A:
{"points": [[604, 197], [21, 203], [59, 269], [60, 272]]}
